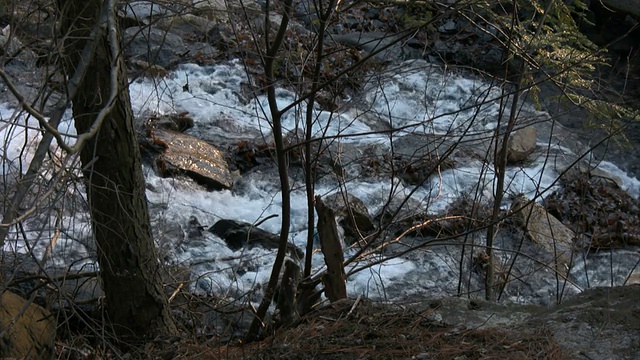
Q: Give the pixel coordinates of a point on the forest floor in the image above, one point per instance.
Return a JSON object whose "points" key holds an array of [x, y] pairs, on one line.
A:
{"points": [[352, 329]]}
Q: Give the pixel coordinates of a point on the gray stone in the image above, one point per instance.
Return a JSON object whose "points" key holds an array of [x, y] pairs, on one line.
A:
{"points": [[449, 26], [601, 323], [185, 25], [153, 45], [142, 12]]}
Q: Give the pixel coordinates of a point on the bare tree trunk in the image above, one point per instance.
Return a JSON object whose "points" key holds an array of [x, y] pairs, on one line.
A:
{"points": [[283, 172], [130, 271]]}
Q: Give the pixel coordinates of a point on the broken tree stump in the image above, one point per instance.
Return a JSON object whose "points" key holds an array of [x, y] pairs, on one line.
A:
{"points": [[335, 287], [286, 304]]}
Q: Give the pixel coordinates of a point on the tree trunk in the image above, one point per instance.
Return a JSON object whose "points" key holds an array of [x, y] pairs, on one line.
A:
{"points": [[130, 271]]}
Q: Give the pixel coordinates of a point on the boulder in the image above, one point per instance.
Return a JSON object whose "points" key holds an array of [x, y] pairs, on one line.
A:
{"points": [[186, 25], [153, 45], [545, 230], [142, 12], [199, 160], [346, 205], [521, 144], [238, 234], [31, 329]]}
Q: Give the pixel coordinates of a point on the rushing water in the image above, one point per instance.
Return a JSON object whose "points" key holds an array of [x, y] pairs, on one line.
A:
{"points": [[418, 100]]}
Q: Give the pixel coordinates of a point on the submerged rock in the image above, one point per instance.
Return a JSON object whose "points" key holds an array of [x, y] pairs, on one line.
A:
{"points": [[194, 229], [238, 234], [199, 160]]}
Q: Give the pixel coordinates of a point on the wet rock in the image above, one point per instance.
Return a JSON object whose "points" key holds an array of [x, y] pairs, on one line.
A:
{"points": [[31, 329], [174, 122], [153, 45], [461, 216], [199, 160], [194, 229], [238, 234], [521, 144], [545, 230], [416, 158], [351, 212]]}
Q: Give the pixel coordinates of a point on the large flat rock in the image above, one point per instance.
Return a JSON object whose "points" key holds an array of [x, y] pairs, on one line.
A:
{"points": [[199, 160]]}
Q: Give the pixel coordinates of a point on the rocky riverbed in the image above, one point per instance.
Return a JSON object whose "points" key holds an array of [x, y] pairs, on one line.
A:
{"points": [[196, 93]]}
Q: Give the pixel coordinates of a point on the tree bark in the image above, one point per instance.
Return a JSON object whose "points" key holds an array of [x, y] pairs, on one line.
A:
{"points": [[130, 271]]}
